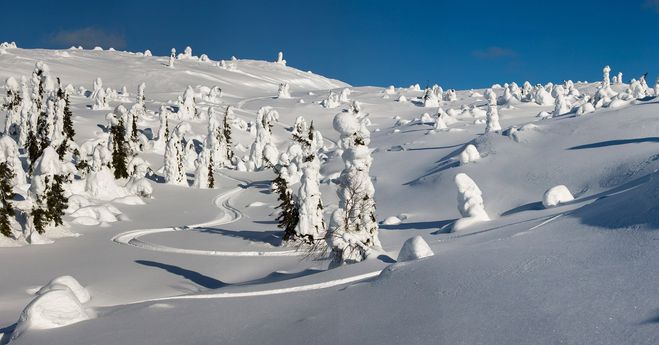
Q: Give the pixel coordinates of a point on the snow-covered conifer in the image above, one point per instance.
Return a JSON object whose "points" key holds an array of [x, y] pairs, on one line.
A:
{"points": [[430, 99], [619, 82], [263, 137], [9, 154], [6, 197], [13, 107], [172, 57], [470, 202], [332, 100], [561, 106], [288, 209], [187, 106], [284, 91], [450, 95], [202, 172], [138, 184], [311, 226], [492, 121], [469, 154], [119, 149], [173, 169], [606, 81], [47, 189], [226, 131], [353, 229], [345, 94], [280, 59]]}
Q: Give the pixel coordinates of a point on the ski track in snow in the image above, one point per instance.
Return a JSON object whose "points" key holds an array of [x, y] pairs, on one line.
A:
{"points": [[230, 215]]}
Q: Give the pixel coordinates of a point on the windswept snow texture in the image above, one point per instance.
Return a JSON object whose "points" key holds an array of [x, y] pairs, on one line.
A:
{"points": [[208, 265]]}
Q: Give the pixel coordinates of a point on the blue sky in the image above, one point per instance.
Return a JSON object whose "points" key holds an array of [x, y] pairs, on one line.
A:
{"points": [[458, 44]]}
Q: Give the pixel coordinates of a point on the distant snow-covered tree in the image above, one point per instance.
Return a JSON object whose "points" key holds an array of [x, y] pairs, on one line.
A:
{"points": [[492, 121], [99, 96], [187, 105], [280, 59], [284, 91], [430, 99], [47, 189], [9, 155], [311, 225], [173, 169], [119, 149], [470, 203], [172, 57]]}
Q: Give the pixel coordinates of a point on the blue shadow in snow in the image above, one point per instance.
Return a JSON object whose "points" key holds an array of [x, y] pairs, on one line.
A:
{"points": [[616, 142], [418, 225], [195, 277]]}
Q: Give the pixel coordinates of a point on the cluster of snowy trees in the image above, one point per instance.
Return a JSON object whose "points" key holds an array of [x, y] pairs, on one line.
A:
{"points": [[39, 127]]}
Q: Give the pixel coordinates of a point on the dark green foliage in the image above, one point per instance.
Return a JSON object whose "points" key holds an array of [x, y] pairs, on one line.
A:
{"points": [[133, 129], [33, 149], [289, 215], [56, 202], [119, 150], [227, 134], [211, 172], [62, 148], [6, 195], [39, 220], [69, 132]]}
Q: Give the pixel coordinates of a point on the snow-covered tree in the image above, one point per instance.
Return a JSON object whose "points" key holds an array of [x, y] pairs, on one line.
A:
{"points": [[6, 197], [345, 94], [470, 202], [163, 129], [172, 57], [542, 97], [13, 107], [280, 59], [492, 122], [140, 93], [174, 169], [47, 189], [214, 94], [430, 99], [284, 91], [311, 226], [561, 106], [606, 81], [187, 106], [226, 131], [138, 184], [9, 155], [450, 95], [203, 169], [619, 82], [119, 149], [99, 96], [100, 182], [263, 137], [353, 228], [332, 100], [288, 210]]}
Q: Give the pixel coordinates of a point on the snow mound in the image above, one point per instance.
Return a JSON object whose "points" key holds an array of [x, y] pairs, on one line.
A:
{"points": [[470, 154], [129, 200], [100, 213], [413, 249], [52, 309], [67, 282], [556, 195], [393, 220]]}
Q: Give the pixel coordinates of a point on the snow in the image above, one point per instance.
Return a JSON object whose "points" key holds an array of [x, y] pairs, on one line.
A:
{"points": [[67, 282], [413, 249], [57, 307], [195, 265], [469, 154], [556, 195]]}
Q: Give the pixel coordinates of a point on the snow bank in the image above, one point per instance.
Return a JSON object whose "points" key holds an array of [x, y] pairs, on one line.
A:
{"points": [[393, 220], [556, 195], [67, 282], [52, 309], [413, 249], [469, 154]]}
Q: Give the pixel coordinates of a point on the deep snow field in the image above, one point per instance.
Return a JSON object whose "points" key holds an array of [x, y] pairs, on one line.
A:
{"points": [[207, 266]]}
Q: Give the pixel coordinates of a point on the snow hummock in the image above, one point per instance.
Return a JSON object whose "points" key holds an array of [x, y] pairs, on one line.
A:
{"points": [[67, 282], [556, 195], [469, 154], [413, 249]]}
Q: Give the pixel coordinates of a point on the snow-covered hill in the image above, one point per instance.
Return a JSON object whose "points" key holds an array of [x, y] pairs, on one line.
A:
{"points": [[206, 266]]}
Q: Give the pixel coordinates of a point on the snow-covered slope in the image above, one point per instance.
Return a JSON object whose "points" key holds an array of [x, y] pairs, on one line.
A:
{"points": [[202, 266]]}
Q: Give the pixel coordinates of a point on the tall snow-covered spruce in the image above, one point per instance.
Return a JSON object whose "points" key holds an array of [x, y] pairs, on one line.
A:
{"points": [[353, 230]]}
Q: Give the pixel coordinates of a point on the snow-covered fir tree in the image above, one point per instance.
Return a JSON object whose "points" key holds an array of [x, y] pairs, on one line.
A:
{"points": [[492, 121], [430, 99], [288, 216], [99, 96], [172, 57], [284, 91], [6, 197], [47, 190], [119, 149], [280, 59], [203, 169], [311, 225], [470, 202], [13, 107], [10, 155], [187, 106], [138, 184], [226, 131], [353, 229], [174, 169]]}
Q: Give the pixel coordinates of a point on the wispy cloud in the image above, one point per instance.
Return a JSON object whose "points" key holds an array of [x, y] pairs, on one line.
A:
{"points": [[88, 37], [652, 4], [494, 52]]}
